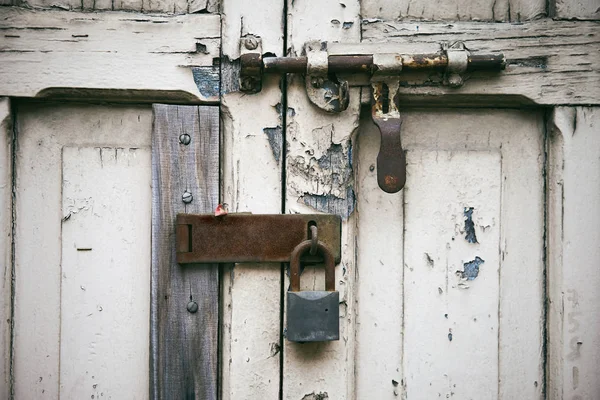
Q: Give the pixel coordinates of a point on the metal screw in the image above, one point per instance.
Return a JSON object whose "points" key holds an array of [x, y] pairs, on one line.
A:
{"points": [[187, 197], [185, 139], [192, 307], [251, 43], [316, 82], [248, 83], [455, 80]]}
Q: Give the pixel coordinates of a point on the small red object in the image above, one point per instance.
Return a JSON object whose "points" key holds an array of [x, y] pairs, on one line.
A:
{"points": [[220, 210]]}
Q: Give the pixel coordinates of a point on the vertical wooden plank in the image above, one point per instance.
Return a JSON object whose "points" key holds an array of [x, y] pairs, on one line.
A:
{"points": [[42, 131], [319, 178], [183, 344], [578, 9], [6, 160], [252, 159], [379, 276], [451, 278], [105, 230], [574, 254]]}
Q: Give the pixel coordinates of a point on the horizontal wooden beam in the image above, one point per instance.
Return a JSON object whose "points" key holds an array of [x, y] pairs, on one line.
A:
{"points": [[548, 62], [109, 56]]}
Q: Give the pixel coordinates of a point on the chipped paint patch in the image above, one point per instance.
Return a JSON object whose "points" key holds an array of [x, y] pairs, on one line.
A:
{"points": [[275, 136], [207, 80], [471, 269], [470, 234], [330, 203], [317, 396]]}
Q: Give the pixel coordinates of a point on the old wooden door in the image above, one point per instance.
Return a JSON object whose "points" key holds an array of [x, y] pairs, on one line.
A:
{"points": [[477, 281]]}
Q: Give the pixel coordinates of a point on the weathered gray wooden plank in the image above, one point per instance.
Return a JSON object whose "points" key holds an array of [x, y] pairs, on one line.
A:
{"points": [[108, 56], [6, 265], [183, 344], [549, 62], [578, 9], [455, 10]]}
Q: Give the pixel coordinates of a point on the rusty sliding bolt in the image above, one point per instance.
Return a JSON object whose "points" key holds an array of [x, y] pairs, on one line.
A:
{"points": [[391, 161], [365, 64]]}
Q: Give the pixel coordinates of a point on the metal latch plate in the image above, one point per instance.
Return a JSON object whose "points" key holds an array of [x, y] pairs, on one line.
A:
{"points": [[252, 237]]}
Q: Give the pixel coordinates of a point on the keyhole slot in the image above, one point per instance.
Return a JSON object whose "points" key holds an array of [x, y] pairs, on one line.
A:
{"points": [[385, 98], [309, 225]]}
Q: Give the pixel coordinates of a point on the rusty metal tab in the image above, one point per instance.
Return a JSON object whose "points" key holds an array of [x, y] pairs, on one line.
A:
{"points": [[252, 237], [391, 161]]}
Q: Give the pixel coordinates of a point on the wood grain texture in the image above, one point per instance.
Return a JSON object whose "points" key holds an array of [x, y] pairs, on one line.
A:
{"points": [[451, 317], [105, 279], [6, 217], [573, 253], [107, 56], [549, 62], [577, 9], [43, 130], [184, 352], [142, 6], [455, 10], [455, 165], [252, 159], [379, 276], [319, 177], [261, 19]]}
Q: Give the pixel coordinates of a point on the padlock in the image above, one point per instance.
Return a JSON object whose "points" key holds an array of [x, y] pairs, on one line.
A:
{"points": [[312, 316]]}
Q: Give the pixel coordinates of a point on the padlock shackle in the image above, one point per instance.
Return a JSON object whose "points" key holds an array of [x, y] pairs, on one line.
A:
{"points": [[295, 265]]}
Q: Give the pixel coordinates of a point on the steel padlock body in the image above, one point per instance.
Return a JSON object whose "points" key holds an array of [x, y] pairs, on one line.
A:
{"points": [[312, 316]]}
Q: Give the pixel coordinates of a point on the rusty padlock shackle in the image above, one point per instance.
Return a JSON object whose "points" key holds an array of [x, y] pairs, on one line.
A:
{"points": [[295, 265]]}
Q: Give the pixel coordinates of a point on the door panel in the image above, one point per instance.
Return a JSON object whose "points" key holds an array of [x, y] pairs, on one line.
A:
{"points": [[465, 288], [82, 251]]}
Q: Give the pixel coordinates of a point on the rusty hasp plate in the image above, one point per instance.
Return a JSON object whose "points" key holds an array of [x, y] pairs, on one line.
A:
{"points": [[252, 237]]}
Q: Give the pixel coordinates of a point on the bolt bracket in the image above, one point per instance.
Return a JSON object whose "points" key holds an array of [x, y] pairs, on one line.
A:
{"points": [[251, 63], [324, 90]]}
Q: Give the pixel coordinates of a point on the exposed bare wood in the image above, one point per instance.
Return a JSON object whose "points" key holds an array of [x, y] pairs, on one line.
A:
{"points": [[43, 130], [252, 159], [549, 62], [455, 10], [105, 279], [320, 177], [109, 56], [573, 253], [142, 6], [578, 9], [6, 160], [184, 352]]}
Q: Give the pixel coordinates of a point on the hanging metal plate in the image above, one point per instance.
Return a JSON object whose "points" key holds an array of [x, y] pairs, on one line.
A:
{"points": [[252, 237]]}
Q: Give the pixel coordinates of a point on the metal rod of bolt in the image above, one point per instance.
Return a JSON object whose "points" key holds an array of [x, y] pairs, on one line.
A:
{"points": [[364, 63]]}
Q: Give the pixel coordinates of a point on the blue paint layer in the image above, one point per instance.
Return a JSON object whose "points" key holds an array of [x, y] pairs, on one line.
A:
{"points": [[275, 136], [207, 80], [469, 225], [471, 269]]}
